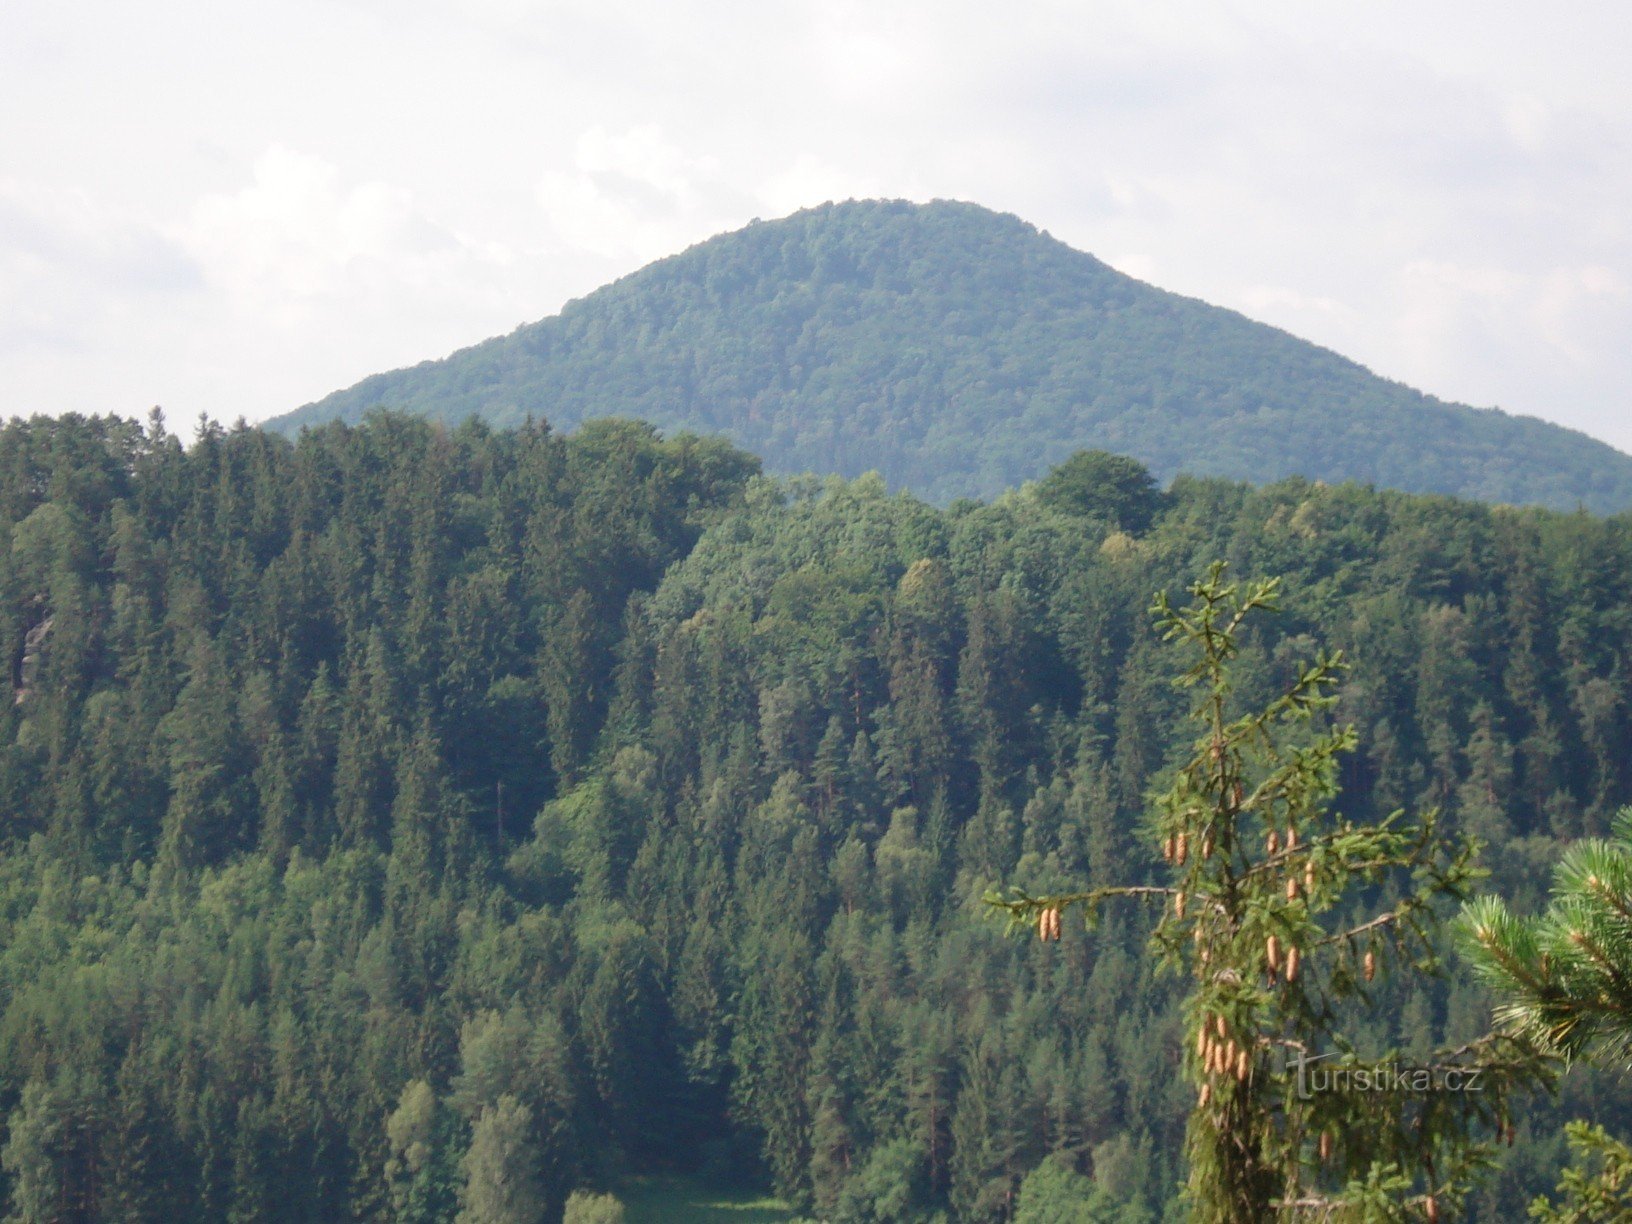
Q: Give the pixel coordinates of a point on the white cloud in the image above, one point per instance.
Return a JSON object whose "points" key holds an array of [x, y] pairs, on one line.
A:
{"points": [[635, 195], [65, 232], [78, 277], [867, 56], [813, 180], [298, 231], [1516, 338], [1278, 300]]}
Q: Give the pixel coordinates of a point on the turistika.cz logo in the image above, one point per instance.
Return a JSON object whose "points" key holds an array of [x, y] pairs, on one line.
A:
{"points": [[1380, 1077]]}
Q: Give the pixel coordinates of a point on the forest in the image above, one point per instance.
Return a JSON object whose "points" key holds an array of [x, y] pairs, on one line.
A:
{"points": [[959, 352], [410, 823]]}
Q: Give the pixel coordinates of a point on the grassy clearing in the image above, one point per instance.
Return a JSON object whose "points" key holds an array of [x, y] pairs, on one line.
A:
{"points": [[673, 1200]]}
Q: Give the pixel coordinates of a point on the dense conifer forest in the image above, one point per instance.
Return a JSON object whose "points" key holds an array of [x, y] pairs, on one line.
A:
{"points": [[960, 352], [406, 821]]}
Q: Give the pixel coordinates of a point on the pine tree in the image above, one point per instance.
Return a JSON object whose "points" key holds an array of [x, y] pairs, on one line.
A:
{"points": [[986, 1133], [254, 1189], [136, 1179], [570, 678], [208, 765], [1255, 860], [1565, 976], [771, 1052]]}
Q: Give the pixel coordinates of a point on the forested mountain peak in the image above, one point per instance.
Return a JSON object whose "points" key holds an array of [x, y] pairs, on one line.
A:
{"points": [[961, 351]]}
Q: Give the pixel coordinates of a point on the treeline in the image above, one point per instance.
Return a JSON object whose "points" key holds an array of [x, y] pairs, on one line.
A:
{"points": [[405, 822]]}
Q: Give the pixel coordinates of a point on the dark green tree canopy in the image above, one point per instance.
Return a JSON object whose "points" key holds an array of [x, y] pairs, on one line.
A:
{"points": [[1102, 485], [405, 820]]}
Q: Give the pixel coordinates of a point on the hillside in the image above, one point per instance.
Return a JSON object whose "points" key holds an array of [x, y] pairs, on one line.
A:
{"points": [[393, 800], [960, 352]]}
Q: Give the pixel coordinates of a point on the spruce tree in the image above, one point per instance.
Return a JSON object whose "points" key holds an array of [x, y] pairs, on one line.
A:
{"points": [[1258, 867]]}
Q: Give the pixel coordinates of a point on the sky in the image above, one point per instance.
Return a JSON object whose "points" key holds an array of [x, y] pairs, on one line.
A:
{"points": [[235, 209]]}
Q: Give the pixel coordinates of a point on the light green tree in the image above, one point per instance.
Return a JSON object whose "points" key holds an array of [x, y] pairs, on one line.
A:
{"points": [[501, 1170], [418, 1172], [1054, 1193], [587, 1207]]}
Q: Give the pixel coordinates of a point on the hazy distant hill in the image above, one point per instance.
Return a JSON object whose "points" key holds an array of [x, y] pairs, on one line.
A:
{"points": [[959, 352]]}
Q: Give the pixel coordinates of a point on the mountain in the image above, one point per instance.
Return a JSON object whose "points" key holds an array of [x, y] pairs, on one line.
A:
{"points": [[960, 352]]}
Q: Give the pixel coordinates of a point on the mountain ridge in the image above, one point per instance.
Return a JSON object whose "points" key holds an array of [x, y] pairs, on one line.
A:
{"points": [[959, 352]]}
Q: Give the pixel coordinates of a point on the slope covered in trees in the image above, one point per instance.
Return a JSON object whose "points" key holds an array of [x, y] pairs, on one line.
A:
{"points": [[405, 821], [961, 352]]}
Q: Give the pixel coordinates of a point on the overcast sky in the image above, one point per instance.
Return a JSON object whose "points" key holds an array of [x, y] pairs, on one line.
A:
{"points": [[231, 208]]}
